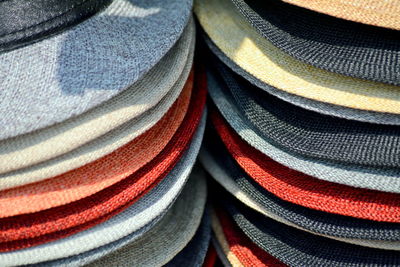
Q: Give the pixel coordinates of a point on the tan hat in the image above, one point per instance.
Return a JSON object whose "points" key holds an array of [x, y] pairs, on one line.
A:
{"points": [[373, 12]]}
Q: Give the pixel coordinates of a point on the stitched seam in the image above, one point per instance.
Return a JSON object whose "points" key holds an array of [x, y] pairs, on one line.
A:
{"points": [[46, 21]]}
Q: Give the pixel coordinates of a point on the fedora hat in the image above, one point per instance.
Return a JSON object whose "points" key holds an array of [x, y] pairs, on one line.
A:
{"points": [[194, 254], [96, 149], [232, 69], [51, 142], [347, 229], [373, 12], [382, 179], [305, 190], [168, 237], [332, 44], [102, 173], [66, 75], [298, 248], [239, 245], [121, 229], [231, 33], [312, 134], [68, 219]]}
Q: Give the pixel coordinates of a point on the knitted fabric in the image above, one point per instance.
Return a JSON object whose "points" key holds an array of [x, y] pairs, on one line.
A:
{"points": [[28, 230], [246, 251], [312, 134], [229, 68], [297, 248], [167, 238], [332, 44], [225, 170], [50, 142], [241, 43], [102, 173], [353, 175], [304, 190], [98, 147], [81, 68], [124, 228], [374, 12], [193, 255]]}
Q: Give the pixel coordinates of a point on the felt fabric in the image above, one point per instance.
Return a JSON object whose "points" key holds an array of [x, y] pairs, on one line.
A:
{"points": [[312, 134], [381, 179], [25, 230], [119, 230], [336, 45], [50, 142], [230, 68], [81, 68], [194, 254], [100, 174], [297, 248], [240, 42], [99, 147], [245, 250], [305, 190], [342, 228], [167, 238], [372, 12]]}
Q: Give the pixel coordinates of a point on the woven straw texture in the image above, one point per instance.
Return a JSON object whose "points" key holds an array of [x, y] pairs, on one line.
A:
{"points": [[125, 227], [241, 43], [373, 12], [102, 173], [304, 190], [381, 179], [70, 73], [312, 134], [340, 46], [346, 229], [16, 153], [101, 146], [245, 250], [158, 246], [297, 248], [25, 230], [229, 68]]}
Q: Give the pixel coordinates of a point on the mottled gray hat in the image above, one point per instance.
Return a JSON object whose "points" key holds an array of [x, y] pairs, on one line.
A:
{"points": [[65, 75]]}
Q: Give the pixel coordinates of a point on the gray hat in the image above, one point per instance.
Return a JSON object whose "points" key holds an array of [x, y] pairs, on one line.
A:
{"points": [[98, 241], [65, 75]]}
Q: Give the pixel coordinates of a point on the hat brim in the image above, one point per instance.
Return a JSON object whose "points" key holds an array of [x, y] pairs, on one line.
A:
{"points": [[72, 72], [345, 229], [298, 248], [121, 229], [340, 46], [377, 179], [232, 34], [61, 138], [306, 103]]}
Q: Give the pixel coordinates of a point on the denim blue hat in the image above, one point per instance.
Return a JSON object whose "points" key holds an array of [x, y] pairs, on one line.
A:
{"points": [[63, 76], [96, 242]]}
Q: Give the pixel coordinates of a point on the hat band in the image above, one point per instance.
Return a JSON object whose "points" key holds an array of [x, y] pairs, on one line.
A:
{"points": [[25, 22]]}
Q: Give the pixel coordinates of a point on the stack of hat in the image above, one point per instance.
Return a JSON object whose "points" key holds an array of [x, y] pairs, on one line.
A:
{"points": [[102, 116], [304, 131]]}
